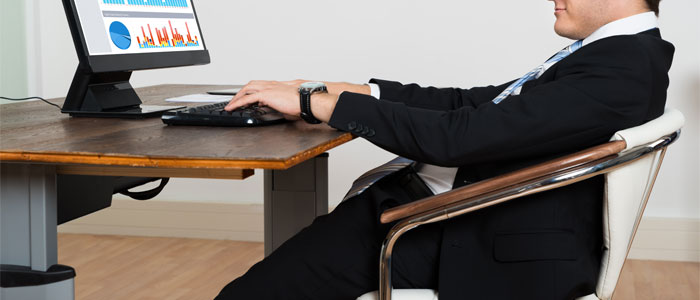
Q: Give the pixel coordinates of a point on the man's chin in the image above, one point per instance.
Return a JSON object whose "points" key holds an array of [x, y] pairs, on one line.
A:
{"points": [[567, 32]]}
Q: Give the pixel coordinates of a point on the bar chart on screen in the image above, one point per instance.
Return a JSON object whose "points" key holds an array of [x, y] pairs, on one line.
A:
{"points": [[148, 3], [166, 37]]}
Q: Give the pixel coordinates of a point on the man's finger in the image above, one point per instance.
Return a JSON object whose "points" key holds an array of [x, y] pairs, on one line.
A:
{"points": [[242, 101], [253, 87], [236, 102], [247, 90]]}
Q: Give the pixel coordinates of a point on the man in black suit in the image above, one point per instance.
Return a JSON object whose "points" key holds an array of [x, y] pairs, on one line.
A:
{"points": [[544, 246]]}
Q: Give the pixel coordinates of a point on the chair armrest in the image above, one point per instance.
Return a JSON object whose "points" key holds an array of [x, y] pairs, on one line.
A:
{"points": [[499, 182]]}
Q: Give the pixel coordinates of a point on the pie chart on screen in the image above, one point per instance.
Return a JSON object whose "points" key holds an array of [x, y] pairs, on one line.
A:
{"points": [[120, 35]]}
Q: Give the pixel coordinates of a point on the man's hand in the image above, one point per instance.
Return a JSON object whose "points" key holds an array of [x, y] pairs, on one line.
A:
{"points": [[283, 97]]}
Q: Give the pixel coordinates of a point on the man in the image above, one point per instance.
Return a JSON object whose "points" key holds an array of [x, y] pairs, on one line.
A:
{"points": [[544, 246]]}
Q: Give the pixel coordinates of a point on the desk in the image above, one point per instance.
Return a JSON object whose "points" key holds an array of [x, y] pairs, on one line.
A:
{"points": [[37, 143]]}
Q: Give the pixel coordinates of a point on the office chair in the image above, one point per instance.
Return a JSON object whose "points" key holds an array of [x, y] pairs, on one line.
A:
{"points": [[630, 163]]}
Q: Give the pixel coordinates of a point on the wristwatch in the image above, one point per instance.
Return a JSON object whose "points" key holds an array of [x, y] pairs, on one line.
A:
{"points": [[305, 91]]}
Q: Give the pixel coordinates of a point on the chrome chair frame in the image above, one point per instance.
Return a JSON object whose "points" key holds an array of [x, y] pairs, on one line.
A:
{"points": [[563, 177]]}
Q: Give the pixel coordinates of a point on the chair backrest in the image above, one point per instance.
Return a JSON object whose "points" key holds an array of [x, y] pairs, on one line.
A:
{"points": [[627, 191]]}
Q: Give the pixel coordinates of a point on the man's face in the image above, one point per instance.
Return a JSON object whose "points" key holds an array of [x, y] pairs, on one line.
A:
{"points": [[577, 19]]}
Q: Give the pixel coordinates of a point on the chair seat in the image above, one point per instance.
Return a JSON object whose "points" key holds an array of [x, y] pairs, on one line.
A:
{"points": [[421, 294], [405, 294]]}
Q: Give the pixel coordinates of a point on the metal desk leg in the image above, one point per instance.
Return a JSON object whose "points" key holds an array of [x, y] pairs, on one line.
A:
{"points": [[28, 234], [293, 198]]}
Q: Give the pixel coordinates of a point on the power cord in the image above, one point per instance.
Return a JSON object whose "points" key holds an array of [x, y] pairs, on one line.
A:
{"points": [[30, 98]]}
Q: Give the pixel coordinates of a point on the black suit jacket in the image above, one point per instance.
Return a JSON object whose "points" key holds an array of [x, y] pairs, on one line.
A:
{"points": [[548, 245]]}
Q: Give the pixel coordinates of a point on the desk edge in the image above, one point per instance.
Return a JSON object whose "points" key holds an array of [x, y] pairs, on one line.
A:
{"points": [[168, 162]]}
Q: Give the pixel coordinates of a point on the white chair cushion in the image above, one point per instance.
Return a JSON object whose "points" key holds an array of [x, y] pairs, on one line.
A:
{"points": [[625, 189], [669, 122], [404, 294], [588, 297], [407, 294]]}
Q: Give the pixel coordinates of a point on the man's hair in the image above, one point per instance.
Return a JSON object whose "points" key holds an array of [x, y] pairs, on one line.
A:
{"points": [[653, 5]]}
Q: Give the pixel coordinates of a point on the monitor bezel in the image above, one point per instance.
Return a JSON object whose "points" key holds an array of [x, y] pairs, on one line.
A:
{"points": [[131, 62]]}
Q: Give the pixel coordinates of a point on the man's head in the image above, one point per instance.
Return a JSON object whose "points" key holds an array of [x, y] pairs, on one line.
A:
{"points": [[577, 19]]}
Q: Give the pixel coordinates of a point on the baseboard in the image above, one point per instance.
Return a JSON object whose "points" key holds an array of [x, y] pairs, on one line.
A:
{"points": [[241, 222], [657, 238], [667, 239]]}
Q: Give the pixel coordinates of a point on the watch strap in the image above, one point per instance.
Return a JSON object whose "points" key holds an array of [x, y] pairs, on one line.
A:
{"points": [[305, 104]]}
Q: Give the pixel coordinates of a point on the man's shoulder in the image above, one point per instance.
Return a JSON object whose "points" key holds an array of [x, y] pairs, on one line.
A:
{"points": [[644, 43], [652, 42], [651, 36], [625, 51]]}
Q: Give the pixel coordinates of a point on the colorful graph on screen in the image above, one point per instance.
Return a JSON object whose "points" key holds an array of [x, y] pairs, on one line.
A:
{"points": [[163, 39], [120, 35], [152, 3]]}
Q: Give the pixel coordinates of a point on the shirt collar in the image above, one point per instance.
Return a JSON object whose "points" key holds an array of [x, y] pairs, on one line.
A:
{"points": [[626, 26]]}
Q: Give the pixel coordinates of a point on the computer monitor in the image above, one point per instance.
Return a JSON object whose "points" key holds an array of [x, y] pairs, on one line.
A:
{"points": [[114, 38]]}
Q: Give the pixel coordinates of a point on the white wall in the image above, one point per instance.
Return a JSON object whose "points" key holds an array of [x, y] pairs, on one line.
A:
{"points": [[13, 57], [439, 42]]}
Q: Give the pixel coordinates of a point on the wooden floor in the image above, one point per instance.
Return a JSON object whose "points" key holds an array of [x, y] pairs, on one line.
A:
{"points": [[140, 268], [135, 268]]}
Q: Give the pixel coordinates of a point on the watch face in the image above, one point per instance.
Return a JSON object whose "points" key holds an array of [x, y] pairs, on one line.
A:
{"points": [[312, 85]]}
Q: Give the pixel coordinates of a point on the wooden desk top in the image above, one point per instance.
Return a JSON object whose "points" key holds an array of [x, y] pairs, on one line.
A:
{"points": [[37, 132]]}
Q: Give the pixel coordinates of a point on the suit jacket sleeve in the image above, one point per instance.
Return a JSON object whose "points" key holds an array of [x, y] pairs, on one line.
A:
{"points": [[593, 96], [436, 98]]}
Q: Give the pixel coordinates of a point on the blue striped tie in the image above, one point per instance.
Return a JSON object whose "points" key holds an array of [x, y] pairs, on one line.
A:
{"points": [[363, 182], [537, 72]]}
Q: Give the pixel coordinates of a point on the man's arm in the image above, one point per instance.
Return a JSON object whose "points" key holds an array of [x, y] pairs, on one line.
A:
{"points": [[436, 98], [423, 97], [584, 106]]}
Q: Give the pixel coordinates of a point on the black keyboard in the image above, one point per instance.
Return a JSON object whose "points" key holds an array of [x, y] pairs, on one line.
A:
{"points": [[215, 115]]}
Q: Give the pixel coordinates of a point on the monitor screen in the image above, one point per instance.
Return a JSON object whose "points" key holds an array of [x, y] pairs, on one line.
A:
{"points": [[114, 27], [113, 38]]}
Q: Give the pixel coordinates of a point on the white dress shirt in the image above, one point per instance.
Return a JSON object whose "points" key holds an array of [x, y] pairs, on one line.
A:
{"points": [[440, 179]]}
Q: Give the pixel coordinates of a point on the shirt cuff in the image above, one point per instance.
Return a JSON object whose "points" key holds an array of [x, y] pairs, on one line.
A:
{"points": [[374, 90]]}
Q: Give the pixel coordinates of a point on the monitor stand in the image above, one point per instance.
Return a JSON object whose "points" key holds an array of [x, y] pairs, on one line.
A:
{"points": [[107, 95]]}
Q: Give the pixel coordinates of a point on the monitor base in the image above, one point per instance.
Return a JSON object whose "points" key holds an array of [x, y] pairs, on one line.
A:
{"points": [[138, 112], [107, 95]]}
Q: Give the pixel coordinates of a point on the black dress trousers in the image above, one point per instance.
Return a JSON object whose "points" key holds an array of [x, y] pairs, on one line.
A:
{"points": [[337, 256]]}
